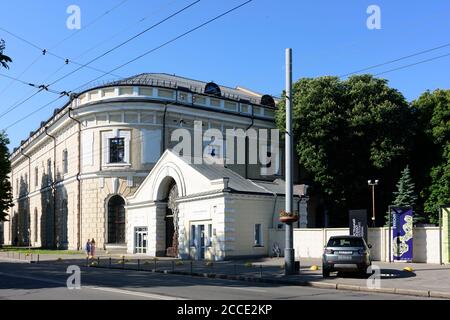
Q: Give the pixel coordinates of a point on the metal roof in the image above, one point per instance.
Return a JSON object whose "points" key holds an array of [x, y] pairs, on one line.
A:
{"points": [[174, 81]]}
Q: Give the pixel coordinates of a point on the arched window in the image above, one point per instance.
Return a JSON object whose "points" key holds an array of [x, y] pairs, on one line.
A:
{"points": [[267, 100], [212, 88], [35, 224], [116, 220]]}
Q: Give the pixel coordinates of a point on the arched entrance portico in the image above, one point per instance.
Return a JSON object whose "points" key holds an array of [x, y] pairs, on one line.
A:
{"points": [[169, 195], [116, 220]]}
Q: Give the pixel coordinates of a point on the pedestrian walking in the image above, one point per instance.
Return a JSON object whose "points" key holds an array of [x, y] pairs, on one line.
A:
{"points": [[92, 248], [87, 248]]}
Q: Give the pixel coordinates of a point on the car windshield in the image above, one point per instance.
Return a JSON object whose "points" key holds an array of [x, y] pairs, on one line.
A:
{"points": [[346, 242]]}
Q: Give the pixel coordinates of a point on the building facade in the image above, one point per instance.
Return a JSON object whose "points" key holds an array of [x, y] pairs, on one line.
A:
{"points": [[75, 177]]}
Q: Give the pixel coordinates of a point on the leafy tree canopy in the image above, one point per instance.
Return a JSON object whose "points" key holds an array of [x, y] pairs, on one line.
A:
{"points": [[347, 132], [5, 185]]}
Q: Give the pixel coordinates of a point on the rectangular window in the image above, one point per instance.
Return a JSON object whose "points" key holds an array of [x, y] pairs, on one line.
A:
{"points": [[146, 92], [199, 100], [163, 93], [108, 93], [65, 165], [182, 97], [269, 113], [258, 235], [126, 91], [245, 108], [193, 235], [49, 171], [115, 118], [17, 187], [214, 102], [117, 150], [36, 176], [231, 106], [210, 234]]}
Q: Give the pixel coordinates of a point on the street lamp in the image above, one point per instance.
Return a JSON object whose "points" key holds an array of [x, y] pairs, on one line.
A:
{"points": [[373, 184]]}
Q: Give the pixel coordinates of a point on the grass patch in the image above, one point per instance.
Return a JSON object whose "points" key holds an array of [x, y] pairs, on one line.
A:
{"points": [[25, 250]]}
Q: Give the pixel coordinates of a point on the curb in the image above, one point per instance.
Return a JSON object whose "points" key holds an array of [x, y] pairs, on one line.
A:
{"points": [[411, 292], [16, 260], [314, 284], [438, 294]]}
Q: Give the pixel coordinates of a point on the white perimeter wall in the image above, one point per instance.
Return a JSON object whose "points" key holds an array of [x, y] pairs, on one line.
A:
{"points": [[309, 243]]}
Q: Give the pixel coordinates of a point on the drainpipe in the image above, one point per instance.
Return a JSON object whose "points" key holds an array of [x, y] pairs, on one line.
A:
{"points": [[246, 144], [28, 192], [163, 140], [79, 198], [53, 185]]}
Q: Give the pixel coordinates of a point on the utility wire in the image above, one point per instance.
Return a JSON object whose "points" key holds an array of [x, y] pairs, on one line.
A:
{"points": [[50, 53], [395, 60], [127, 41], [45, 87], [106, 40], [413, 64], [168, 42], [59, 43], [142, 55], [90, 23]]}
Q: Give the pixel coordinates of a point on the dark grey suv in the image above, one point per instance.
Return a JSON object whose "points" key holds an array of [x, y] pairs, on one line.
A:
{"points": [[346, 253]]}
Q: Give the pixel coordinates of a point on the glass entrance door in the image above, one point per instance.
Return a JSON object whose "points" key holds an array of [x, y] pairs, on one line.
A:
{"points": [[140, 240]]}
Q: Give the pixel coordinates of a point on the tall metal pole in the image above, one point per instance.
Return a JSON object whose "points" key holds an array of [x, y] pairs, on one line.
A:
{"points": [[289, 247], [373, 205]]}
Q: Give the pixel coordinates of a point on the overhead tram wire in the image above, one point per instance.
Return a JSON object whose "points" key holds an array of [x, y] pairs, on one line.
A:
{"points": [[102, 55], [90, 23], [102, 42], [144, 54], [34, 112], [50, 53], [169, 42], [395, 60], [413, 64], [62, 41], [127, 41]]}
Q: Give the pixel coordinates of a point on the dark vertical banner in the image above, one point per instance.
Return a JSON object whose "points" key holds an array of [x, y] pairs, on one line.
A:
{"points": [[402, 234], [358, 223]]}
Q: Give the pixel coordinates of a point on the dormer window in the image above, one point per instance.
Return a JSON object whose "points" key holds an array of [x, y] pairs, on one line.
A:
{"points": [[212, 89]]}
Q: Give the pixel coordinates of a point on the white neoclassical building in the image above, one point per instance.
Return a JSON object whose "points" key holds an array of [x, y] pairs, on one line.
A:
{"points": [[102, 167]]}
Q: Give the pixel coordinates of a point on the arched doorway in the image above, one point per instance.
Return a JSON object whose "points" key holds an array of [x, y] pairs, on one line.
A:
{"points": [[116, 220], [171, 221]]}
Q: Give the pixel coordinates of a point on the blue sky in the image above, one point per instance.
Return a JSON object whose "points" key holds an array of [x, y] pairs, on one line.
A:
{"points": [[244, 48]]}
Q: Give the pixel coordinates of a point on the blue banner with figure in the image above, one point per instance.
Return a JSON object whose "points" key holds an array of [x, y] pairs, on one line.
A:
{"points": [[402, 234]]}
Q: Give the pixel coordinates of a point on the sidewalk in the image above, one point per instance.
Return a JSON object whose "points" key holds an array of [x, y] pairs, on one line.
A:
{"points": [[426, 280]]}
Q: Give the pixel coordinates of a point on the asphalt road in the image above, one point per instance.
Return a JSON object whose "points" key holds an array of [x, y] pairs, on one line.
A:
{"points": [[22, 281]]}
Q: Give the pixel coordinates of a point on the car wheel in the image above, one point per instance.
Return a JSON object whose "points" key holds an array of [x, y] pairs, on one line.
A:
{"points": [[325, 272], [363, 271]]}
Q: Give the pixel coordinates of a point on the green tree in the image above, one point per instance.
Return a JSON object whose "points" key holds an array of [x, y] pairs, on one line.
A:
{"points": [[405, 196], [5, 185], [434, 110], [4, 59], [347, 132]]}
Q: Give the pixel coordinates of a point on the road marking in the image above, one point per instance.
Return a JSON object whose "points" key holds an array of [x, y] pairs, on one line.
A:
{"points": [[246, 289], [135, 293], [107, 289]]}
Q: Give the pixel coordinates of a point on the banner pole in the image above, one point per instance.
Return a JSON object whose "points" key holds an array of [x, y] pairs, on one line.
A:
{"points": [[389, 236]]}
